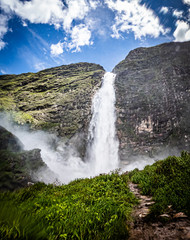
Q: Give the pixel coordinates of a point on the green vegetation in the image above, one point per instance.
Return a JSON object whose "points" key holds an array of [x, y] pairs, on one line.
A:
{"points": [[7, 103], [22, 118], [168, 181], [97, 208], [44, 99]]}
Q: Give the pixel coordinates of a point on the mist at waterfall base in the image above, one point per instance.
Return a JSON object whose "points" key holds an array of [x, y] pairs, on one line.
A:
{"points": [[62, 160]]}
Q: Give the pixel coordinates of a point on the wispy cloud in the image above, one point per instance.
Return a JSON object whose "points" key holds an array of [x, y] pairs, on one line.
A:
{"points": [[164, 10], [75, 18], [55, 12], [132, 16], [177, 13], [3, 29], [2, 71], [38, 66]]}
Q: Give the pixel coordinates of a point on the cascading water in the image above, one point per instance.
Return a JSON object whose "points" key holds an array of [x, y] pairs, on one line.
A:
{"points": [[63, 161], [103, 144]]}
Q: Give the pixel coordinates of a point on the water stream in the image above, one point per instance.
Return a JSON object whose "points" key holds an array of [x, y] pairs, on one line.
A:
{"points": [[103, 144]]}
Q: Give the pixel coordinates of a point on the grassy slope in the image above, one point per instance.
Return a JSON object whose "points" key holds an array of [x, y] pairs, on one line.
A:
{"points": [[58, 99], [168, 181], [97, 208]]}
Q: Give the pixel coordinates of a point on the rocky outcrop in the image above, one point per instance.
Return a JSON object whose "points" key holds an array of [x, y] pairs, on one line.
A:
{"points": [[16, 165], [152, 100], [56, 99], [9, 142]]}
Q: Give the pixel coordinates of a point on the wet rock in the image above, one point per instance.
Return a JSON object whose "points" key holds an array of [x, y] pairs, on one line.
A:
{"points": [[16, 165], [9, 142]]}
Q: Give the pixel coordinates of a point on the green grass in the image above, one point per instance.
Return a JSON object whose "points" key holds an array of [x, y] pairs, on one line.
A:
{"points": [[93, 209], [168, 181], [97, 208]]}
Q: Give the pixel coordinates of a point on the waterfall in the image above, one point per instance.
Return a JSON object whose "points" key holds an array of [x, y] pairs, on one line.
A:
{"points": [[103, 143], [64, 162]]}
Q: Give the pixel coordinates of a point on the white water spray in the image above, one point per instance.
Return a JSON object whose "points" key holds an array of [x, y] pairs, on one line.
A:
{"points": [[103, 144], [63, 161]]}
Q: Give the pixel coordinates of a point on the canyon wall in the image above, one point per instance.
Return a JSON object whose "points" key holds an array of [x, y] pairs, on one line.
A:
{"points": [[153, 100]]}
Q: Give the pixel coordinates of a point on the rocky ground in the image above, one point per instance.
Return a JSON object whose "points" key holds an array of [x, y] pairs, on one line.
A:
{"points": [[168, 226]]}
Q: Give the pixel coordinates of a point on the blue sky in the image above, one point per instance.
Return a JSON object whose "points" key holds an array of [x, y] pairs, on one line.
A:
{"points": [[38, 34]]}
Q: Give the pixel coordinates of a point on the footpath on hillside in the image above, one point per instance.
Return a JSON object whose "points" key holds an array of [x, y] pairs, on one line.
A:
{"points": [[168, 226]]}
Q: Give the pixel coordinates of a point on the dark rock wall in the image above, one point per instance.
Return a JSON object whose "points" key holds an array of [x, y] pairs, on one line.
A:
{"points": [[153, 100], [16, 165]]}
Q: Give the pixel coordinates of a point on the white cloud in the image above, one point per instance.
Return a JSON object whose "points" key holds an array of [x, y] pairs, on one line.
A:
{"points": [[50, 11], [39, 66], [2, 71], [54, 12], [164, 10], [186, 1], [36, 11], [80, 36], [57, 49], [182, 32], [132, 16], [77, 9], [3, 29], [2, 44], [94, 3], [177, 13]]}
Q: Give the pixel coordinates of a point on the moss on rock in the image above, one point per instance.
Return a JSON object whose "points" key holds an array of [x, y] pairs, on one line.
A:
{"points": [[56, 99]]}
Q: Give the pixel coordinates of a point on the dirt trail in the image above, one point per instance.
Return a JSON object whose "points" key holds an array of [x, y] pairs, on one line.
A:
{"points": [[168, 226]]}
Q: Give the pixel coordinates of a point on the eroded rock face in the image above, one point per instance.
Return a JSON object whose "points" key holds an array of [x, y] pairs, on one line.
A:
{"points": [[9, 142], [56, 99], [152, 100], [16, 165]]}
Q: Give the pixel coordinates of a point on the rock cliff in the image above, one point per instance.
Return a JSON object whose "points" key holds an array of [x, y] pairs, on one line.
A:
{"points": [[17, 166], [152, 100], [56, 99]]}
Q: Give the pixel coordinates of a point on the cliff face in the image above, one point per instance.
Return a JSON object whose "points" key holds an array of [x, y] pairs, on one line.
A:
{"points": [[56, 99], [153, 96], [17, 166], [152, 99]]}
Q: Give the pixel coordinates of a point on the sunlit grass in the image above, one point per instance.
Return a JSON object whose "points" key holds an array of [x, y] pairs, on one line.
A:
{"points": [[97, 208]]}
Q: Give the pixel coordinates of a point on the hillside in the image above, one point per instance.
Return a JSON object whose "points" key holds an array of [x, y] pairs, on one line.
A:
{"points": [[56, 99]]}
